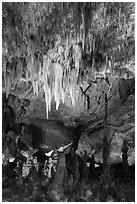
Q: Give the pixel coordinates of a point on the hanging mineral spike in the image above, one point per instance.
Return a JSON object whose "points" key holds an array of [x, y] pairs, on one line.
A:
{"points": [[58, 76]]}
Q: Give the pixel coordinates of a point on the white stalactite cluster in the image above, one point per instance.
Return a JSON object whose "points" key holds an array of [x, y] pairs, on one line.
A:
{"points": [[57, 77]]}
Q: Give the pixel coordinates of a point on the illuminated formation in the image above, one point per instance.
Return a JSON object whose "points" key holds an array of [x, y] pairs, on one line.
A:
{"points": [[56, 75]]}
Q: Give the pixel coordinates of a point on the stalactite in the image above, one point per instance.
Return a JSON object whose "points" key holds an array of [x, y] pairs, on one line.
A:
{"points": [[78, 22], [62, 5], [72, 85], [8, 83], [75, 21], [46, 90], [85, 28], [86, 21], [77, 52], [93, 51], [58, 71]]}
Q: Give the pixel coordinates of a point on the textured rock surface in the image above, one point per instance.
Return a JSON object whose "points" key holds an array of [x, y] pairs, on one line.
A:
{"points": [[121, 115]]}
